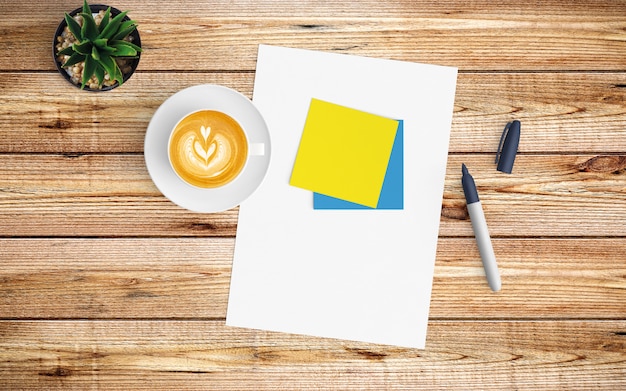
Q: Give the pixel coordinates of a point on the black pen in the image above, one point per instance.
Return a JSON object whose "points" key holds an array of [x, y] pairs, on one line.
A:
{"points": [[479, 225]]}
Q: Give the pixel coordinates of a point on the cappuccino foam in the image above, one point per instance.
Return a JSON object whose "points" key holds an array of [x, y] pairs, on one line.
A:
{"points": [[208, 149]]}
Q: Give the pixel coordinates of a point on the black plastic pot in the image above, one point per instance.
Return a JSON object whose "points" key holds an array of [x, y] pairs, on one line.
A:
{"points": [[95, 9]]}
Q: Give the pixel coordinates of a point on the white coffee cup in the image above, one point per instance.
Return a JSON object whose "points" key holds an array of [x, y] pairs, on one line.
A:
{"points": [[209, 149]]}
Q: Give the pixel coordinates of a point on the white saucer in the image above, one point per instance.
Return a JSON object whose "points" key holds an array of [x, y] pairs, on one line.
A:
{"points": [[206, 97]]}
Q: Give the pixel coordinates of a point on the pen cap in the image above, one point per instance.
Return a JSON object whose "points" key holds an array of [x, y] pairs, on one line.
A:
{"points": [[507, 150]]}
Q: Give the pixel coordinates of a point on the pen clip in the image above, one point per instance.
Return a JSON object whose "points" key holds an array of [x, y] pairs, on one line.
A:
{"points": [[502, 138]]}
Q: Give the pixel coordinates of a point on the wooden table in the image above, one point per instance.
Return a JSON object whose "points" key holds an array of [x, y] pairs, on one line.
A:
{"points": [[105, 284]]}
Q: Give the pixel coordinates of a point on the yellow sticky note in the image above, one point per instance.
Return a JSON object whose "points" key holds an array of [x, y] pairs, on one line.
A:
{"points": [[344, 153]]}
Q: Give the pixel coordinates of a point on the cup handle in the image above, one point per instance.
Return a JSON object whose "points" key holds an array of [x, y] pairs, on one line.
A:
{"points": [[256, 149]]}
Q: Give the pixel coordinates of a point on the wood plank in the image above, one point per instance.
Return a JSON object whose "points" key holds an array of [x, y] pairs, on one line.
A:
{"points": [[541, 278], [524, 36], [115, 278], [190, 278], [94, 195], [570, 113], [65, 120], [192, 355], [112, 195], [566, 113], [554, 195], [357, 8]]}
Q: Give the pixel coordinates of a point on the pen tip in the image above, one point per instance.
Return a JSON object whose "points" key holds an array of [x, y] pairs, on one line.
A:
{"points": [[464, 169]]}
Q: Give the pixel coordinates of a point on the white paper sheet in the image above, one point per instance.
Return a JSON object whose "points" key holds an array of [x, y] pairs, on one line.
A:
{"points": [[361, 275]]}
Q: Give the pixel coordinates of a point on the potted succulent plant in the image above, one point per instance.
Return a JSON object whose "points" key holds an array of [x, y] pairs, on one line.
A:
{"points": [[97, 47]]}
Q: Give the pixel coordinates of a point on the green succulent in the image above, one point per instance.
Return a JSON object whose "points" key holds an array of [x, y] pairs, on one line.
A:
{"points": [[99, 45]]}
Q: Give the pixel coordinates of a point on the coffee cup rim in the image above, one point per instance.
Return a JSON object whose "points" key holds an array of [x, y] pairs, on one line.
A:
{"points": [[169, 141]]}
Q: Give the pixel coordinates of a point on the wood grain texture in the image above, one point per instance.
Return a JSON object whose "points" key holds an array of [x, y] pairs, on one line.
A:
{"points": [[189, 278], [560, 113], [94, 195], [115, 278], [113, 195], [207, 355], [33, 120], [105, 284], [224, 35], [553, 195]]}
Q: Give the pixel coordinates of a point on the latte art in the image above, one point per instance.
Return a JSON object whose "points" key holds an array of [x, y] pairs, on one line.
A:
{"points": [[208, 149]]}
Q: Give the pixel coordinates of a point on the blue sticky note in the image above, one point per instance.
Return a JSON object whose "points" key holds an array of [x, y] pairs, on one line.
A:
{"points": [[392, 193]]}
